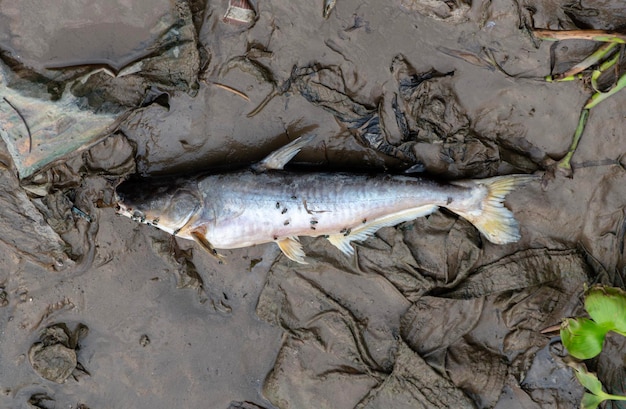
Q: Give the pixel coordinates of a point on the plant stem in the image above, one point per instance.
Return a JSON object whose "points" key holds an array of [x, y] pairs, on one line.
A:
{"points": [[615, 397], [593, 35], [605, 66], [593, 59], [601, 96], [565, 163]]}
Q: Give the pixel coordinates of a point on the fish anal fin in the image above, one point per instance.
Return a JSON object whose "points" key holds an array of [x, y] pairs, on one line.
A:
{"points": [[291, 247], [495, 221], [279, 158], [342, 242], [199, 237], [365, 230]]}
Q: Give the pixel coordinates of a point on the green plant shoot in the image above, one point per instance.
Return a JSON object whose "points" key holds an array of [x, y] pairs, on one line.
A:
{"points": [[590, 381]]}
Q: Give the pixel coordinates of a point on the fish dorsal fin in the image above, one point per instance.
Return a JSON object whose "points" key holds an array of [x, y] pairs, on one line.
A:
{"points": [[292, 248], [279, 158], [362, 232], [200, 238]]}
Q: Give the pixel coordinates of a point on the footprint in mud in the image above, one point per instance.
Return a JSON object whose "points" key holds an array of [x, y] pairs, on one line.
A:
{"points": [[54, 356]]}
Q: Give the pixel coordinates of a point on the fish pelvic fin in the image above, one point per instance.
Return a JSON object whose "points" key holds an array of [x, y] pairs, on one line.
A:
{"points": [[279, 158], [200, 238], [343, 239], [493, 220], [291, 247]]}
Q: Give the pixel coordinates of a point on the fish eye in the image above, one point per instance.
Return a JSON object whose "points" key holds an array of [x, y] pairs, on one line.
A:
{"points": [[137, 214]]}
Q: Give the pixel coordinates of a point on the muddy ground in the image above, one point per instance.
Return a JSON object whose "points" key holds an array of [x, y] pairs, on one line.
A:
{"points": [[427, 314]]}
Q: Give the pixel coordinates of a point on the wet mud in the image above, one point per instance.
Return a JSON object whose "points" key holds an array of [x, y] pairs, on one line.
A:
{"points": [[99, 311]]}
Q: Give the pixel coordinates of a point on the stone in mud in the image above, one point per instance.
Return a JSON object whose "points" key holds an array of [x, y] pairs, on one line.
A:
{"points": [[54, 356], [54, 363]]}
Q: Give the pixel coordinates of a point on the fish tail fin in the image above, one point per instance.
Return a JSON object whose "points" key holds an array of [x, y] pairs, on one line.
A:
{"points": [[492, 219]]}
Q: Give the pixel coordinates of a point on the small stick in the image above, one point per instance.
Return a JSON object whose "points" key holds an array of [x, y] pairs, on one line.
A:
{"points": [[593, 35], [233, 90], [30, 136], [265, 101], [553, 328]]}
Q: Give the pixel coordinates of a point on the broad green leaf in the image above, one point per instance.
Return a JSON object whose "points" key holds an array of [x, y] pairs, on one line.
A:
{"points": [[607, 307], [582, 337], [589, 380], [590, 401]]}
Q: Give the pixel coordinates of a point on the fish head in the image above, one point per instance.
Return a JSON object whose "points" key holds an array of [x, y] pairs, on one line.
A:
{"points": [[167, 206]]}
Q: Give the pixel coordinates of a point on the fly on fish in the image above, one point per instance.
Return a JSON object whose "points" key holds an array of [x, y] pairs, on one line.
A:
{"points": [[265, 204]]}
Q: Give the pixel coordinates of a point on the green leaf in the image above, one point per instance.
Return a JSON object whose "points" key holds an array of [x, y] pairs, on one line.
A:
{"points": [[590, 401], [582, 337], [589, 380], [607, 307]]}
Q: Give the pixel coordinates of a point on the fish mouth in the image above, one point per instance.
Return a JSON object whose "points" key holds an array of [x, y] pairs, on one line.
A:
{"points": [[119, 206], [122, 209]]}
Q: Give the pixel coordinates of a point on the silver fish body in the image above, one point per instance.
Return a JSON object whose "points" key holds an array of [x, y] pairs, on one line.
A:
{"points": [[244, 208], [266, 204]]}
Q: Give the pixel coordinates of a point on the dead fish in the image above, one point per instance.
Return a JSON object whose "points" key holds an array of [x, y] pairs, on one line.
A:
{"points": [[264, 204]]}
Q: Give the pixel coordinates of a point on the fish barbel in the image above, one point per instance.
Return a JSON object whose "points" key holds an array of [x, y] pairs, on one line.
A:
{"points": [[265, 204]]}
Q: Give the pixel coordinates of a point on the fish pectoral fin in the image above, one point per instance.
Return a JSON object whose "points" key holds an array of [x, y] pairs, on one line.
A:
{"points": [[291, 247], [279, 158], [362, 232], [200, 238]]}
